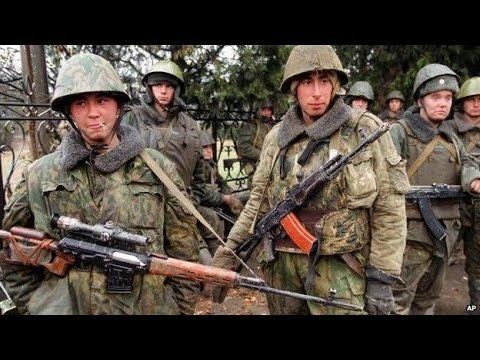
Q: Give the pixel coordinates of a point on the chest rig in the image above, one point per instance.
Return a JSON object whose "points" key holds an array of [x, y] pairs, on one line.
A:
{"points": [[298, 228]]}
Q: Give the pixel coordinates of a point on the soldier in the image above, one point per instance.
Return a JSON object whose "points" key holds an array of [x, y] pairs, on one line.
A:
{"points": [[434, 155], [213, 178], [251, 136], [358, 218], [395, 104], [95, 176], [216, 184], [164, 125], [466, 123], [360, 95]]}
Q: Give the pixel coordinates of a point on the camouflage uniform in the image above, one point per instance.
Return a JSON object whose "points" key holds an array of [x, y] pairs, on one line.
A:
{"points": [[360, 212], [469, 210], [387, 115], [424, 266], [116, 186], [250, 137]]}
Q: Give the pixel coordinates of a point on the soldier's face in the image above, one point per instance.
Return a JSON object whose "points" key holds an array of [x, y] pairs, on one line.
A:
{"points": [[360, 103], [471, 106], [314, 94], [95, 115], [208, 152], [436, 106], [266, 112], [163, 92], [394, 105]]}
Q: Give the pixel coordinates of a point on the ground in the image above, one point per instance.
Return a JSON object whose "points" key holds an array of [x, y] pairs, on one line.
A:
{"points": [[453, 301]]}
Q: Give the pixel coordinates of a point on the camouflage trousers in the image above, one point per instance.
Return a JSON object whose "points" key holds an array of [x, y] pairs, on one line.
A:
{"points": [[289, 272], [471, 248], [210, 240]]}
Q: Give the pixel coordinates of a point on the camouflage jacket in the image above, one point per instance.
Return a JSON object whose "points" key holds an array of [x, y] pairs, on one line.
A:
{"points": [[124, 191], [250, 139], [215, 183], [363, 206], [177, 138]]}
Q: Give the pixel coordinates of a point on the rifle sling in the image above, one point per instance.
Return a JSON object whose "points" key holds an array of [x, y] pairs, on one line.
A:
{"points": [[157, 170], [426, 153], [473, 140]]}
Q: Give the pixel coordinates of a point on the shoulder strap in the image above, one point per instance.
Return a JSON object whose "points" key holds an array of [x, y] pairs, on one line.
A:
{"points": [[157, 170], [473, 140], [423, 156]]}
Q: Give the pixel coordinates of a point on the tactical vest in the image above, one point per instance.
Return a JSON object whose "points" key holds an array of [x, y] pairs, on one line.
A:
{"points": [[471, 140], [442, 166], [178, 139]]}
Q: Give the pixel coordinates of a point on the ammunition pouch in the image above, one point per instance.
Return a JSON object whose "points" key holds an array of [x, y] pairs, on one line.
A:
{"points": [[361, 181], [342, 231]]}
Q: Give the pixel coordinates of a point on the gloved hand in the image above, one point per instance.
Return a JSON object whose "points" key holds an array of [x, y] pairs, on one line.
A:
{"points": [[222, 259], [233, 203], [379, 296]]}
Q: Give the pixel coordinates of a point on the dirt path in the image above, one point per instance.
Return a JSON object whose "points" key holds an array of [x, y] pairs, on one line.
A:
{"points": [[453, 301]]}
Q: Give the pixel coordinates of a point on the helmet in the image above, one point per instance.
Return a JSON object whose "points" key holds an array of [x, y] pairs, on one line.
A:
{"points": [[84, 73], [206, 139], [362, 89], [434, 77], [470, 87], [395, 94], [166, 67], [266, 104], [307, 58]]}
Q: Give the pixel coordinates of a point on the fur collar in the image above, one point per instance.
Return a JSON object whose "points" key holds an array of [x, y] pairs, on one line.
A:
{"points": [[293, 125], [461, 123], [424, 131], [73, 150]]}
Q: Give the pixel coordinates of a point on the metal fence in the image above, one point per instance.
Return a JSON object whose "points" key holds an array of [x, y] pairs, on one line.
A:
{"points": [[15, 118]]}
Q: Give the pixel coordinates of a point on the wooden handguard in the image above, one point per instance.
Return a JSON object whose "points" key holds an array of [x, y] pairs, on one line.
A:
{"points": [[297, 232], [25, 245]]}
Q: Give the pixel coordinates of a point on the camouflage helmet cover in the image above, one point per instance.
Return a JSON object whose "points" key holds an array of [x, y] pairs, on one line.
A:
{"points": [[434, 77], [206, 139], [307, 58], [362, 89], [166, 67], [470, 87], [395, 94], [84, 73]]}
